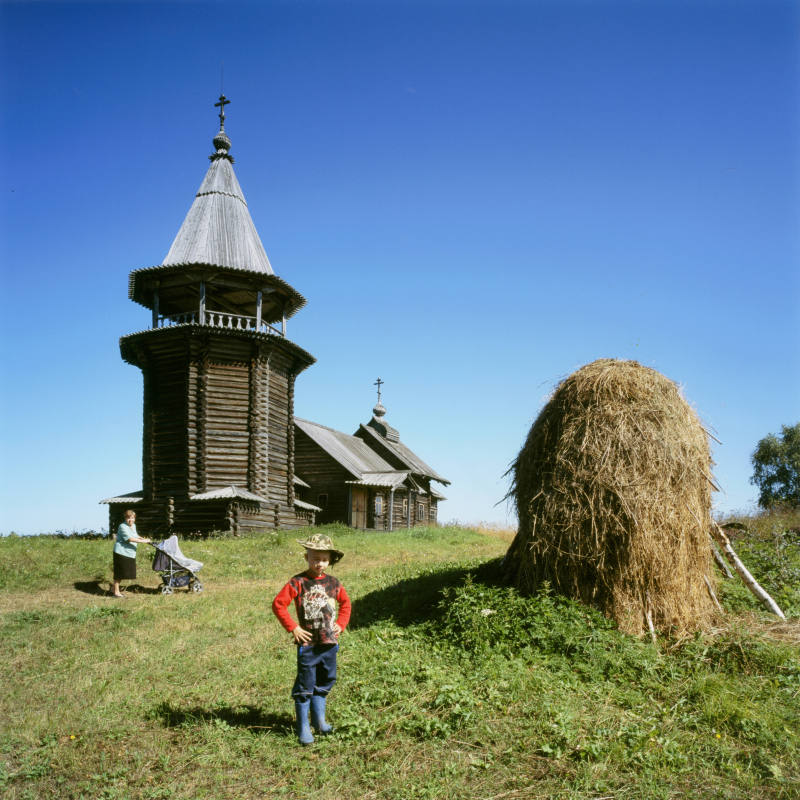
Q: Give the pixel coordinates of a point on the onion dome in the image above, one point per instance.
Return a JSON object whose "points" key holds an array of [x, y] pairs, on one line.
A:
{"points": [[221, 145]]}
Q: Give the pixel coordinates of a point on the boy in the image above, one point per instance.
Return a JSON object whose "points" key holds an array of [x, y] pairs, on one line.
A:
{"points": [[316, 635]]}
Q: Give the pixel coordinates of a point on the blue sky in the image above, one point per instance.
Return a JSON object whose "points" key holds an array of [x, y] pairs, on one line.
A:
{"points": [[476, 198]]}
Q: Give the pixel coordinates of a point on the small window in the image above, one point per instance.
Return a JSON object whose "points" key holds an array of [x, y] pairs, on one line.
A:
{"points": [[378, 505], [433, 514], [322, 501], [405, 507], [420, 511]]}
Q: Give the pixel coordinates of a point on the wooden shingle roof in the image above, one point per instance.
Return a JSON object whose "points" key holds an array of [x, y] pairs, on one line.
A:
{"points": [[389, 480], [407, 457], [218, 229], [218, 247], [128, 497], [351, 452], [229, 493]]}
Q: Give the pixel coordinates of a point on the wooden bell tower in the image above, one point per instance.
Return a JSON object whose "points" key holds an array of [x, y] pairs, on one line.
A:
{"points": [[218, 372]]}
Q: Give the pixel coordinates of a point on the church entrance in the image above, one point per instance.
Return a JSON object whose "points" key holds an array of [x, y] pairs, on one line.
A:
{"points": [[358, 507]]}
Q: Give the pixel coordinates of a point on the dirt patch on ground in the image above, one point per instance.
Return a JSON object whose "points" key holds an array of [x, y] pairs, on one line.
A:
{"points": [[787, 631], [74, 596]]}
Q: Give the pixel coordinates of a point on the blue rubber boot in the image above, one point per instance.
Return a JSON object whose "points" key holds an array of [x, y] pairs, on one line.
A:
{"points": [[318, 703], [302, 728]]}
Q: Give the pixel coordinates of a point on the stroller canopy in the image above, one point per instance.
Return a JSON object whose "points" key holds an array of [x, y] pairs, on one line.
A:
{"points": [[170, 547]]}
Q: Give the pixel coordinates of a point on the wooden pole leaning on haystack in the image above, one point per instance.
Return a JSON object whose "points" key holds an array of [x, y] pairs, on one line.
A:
{"points": [[726, 570], [749, 581], [719, 536]]}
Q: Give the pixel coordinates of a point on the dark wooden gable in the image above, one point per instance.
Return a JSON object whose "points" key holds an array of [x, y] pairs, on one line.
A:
{"points": [[326, 477]]}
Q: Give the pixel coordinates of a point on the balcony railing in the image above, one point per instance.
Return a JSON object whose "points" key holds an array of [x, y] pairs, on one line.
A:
{"points": [[220, 319]]}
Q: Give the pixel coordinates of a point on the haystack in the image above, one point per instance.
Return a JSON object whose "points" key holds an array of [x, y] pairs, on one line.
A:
{"points": [[613, 494]]}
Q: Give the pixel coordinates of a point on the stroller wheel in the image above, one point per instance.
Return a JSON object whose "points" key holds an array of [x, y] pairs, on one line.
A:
{"points": [[166, 589], [197, 586]]}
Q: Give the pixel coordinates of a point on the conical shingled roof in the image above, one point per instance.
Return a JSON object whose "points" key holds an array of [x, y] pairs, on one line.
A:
{"points": [[218, 229]]}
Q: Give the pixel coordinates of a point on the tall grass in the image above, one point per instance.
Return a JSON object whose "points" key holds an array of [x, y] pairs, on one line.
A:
{"points": [[451, 686]]}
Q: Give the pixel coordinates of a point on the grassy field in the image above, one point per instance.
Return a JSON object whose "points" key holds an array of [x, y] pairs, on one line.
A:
{"points": [[450, 685]]}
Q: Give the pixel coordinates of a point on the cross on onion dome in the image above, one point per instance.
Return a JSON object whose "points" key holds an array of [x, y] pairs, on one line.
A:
{"points": [[223, 101]]}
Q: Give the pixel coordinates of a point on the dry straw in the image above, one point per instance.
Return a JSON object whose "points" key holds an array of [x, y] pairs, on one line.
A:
{"points": [[613, 495]]}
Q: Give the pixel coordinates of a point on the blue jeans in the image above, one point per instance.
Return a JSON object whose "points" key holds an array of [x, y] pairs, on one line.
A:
{"points": [[316, 670]]}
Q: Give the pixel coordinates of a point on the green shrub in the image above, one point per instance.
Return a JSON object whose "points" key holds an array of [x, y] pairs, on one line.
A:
{"points": [[482, 618]]}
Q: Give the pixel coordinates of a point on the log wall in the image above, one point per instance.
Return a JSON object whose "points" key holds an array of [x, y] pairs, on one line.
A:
{"points": [[217, 412], [325, 476]]}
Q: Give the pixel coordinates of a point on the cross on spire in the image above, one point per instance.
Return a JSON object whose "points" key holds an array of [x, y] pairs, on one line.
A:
{"points": [[223, 101], [379, 383]]}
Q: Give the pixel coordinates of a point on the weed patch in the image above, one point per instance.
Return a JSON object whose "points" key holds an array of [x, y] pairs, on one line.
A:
{"points": [[483, 618]]}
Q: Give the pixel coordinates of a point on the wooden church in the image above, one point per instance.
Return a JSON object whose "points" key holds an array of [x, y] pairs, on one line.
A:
{"points": [[219, 434], [370, 479]]}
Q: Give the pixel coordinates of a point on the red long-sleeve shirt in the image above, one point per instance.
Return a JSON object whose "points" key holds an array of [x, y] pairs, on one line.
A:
{"points": [[315, 601]]}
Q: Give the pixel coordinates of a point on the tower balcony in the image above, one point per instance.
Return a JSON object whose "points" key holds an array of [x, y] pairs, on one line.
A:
{"points": [[219, 319]]}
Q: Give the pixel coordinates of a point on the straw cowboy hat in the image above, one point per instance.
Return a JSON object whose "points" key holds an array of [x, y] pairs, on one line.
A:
{"points": [[319, 541]]}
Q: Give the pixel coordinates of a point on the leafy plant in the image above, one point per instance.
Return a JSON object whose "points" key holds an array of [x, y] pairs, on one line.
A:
{"points": [[482, 618]]}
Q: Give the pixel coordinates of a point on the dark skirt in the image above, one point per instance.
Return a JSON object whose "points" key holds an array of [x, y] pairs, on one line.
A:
{"points": [[124, 567]]}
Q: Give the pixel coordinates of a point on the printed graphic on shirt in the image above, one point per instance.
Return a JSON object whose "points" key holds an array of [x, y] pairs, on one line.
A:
{"points": [[318, 608]]}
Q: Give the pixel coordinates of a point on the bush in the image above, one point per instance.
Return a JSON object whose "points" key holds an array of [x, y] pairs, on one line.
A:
{"points": [[482, 618]]}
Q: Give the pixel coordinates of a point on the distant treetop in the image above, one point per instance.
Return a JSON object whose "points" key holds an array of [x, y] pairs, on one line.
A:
{"points": [[776, 467]]}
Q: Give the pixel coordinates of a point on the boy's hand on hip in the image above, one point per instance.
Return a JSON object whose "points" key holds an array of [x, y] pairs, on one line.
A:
{"points": [[301, 636]]}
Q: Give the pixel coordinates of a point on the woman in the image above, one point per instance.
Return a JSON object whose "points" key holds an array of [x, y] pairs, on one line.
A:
{"points": [[125, 552]]}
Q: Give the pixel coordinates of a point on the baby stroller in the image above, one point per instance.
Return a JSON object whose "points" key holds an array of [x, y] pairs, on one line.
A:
{"points": [[175, 569]]}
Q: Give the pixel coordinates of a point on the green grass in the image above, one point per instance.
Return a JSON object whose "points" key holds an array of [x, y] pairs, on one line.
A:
{"points": [[450, 686]]}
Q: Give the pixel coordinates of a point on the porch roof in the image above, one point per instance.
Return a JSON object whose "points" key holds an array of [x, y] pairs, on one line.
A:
{"points": [[390, 480], [128, 497], [229, 492]]}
